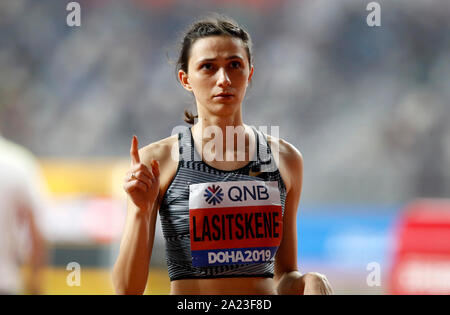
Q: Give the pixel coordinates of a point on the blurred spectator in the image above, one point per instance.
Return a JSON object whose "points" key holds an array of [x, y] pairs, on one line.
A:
{"points": [[415, 132], [21, 238]]}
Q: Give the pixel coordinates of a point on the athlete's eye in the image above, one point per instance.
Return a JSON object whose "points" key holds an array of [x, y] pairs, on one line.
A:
{"points": [[235, 64], [207, 66]]}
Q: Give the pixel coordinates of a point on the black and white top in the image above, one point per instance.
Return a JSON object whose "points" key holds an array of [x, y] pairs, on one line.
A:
{"points": [[236, 241]]}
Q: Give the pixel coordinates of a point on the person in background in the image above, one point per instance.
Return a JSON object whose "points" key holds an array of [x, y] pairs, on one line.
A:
{"points": [[22, 240]]}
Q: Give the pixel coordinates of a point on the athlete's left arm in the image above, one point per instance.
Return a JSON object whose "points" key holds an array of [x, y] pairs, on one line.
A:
{"points": [[287, 276]]}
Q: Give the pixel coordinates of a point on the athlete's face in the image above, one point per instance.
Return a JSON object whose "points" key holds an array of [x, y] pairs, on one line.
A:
{"points": [[218, 74]]}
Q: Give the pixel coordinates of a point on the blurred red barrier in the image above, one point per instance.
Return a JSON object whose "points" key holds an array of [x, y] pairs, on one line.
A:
{"points": [[421, 261]]}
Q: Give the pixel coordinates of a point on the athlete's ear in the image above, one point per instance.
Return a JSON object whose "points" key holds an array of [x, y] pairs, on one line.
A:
{"points": [[250, 75], [184, 80]]}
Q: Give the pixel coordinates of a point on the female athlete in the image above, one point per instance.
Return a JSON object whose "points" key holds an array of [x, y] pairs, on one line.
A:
{"points": [[227, 194]]}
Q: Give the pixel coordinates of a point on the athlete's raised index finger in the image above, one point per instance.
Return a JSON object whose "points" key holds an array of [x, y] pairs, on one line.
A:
{"points": [[134, 151]]}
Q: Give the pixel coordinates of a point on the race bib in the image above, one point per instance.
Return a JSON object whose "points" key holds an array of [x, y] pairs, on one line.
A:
{"points": [[234, 222]]}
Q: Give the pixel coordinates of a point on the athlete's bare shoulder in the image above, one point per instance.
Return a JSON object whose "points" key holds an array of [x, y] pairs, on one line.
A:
{"points": [[160, 150], [284, 148], [290, 160]]}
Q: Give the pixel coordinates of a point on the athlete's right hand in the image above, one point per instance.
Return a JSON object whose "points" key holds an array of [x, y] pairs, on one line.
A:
{"points": [[141, 183]]}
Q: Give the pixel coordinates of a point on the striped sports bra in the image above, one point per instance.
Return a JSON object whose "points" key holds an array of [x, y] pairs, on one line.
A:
{"points": [[219, 223]]}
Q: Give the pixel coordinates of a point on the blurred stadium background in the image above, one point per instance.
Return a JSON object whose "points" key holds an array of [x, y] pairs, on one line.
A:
{"points": [[368, 107]]}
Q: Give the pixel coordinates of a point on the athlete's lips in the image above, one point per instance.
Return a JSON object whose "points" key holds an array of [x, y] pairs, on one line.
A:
{"points": [[223, 95]]}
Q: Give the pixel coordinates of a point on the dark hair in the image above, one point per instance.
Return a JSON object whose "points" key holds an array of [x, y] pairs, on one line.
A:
{"points": [[213, 25]]}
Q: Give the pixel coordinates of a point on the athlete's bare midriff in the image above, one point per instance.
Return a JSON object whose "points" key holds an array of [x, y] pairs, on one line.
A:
{"points": [[224, 286]]}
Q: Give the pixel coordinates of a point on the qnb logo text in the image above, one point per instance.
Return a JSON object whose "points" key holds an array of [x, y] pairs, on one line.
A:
{"points": [[255, 192]]}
